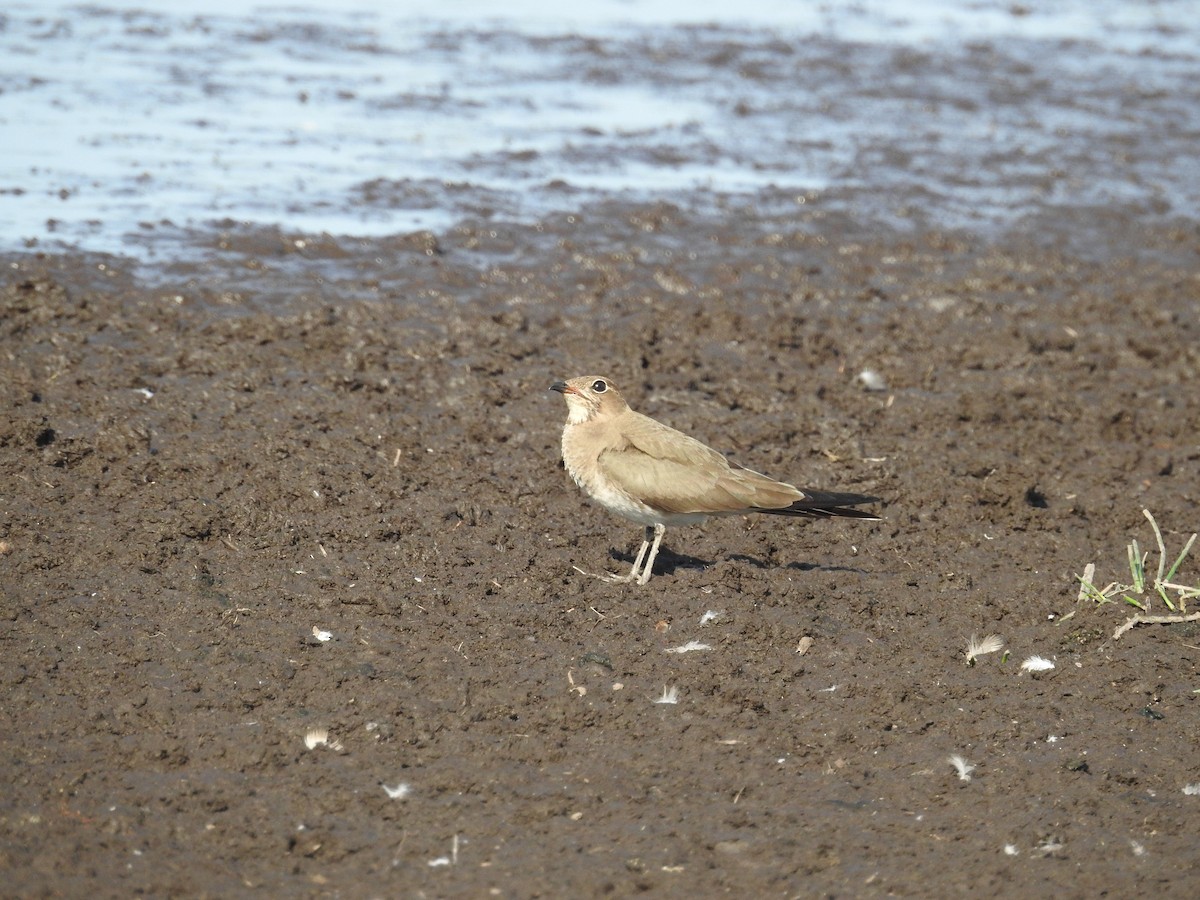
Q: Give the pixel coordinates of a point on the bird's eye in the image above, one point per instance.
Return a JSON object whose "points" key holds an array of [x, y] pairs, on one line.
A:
{"points": [[599, 387]]}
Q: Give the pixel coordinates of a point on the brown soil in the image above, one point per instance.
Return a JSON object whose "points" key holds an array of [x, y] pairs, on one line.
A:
{"points": [[202, 465]]}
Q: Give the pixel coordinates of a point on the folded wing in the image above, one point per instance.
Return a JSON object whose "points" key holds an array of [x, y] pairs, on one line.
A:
{"points": [[677, 474]]}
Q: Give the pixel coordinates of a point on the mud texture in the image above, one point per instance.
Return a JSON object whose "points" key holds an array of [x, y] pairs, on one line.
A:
{"points": [[207, 464]]}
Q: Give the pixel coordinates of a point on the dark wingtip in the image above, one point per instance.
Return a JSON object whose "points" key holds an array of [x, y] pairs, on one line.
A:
{"points": [[828, 505], [846, 512]]}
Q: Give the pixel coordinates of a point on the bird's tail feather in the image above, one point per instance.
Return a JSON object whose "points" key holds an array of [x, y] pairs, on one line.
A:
{"points": [[826, 505]]}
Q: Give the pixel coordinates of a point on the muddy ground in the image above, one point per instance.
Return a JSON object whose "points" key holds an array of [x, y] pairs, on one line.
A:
{"points": [[204, 463]]}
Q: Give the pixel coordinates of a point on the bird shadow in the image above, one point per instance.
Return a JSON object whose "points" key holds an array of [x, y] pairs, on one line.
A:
{"points": [[668, 561], [796, 566]]}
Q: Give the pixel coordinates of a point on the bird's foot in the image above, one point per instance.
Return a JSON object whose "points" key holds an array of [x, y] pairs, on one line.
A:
{"points": [[609, 576]]}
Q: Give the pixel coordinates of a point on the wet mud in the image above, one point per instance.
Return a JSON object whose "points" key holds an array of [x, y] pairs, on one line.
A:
{"points": [[303, 482]]}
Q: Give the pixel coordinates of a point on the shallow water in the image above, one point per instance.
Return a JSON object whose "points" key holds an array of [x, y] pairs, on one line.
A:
{"points": [[125, 126]]}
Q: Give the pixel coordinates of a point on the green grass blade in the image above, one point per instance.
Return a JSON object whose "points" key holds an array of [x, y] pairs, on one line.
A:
{"points": [[1092, 592], [1179, 562], [1137, 566], [1163, 593]]}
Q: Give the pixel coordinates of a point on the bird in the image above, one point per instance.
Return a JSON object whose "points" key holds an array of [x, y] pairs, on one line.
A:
{"points": [[648, 472]]}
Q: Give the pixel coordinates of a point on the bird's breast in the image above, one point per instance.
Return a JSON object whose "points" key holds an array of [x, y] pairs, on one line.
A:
{"points": [[581, 450]]}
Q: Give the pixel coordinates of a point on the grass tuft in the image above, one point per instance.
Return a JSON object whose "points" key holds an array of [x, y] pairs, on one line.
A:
{"points": [[1143, 588]]}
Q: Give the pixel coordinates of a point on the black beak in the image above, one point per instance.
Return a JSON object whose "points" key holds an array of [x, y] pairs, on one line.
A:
{"points": [[560, 386]]}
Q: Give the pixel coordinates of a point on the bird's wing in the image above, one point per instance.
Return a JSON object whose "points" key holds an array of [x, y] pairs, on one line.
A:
{"points": [[674, 473]]}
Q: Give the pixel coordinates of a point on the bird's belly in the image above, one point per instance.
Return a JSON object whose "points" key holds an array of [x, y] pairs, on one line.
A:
{"points": [[623, 504]]}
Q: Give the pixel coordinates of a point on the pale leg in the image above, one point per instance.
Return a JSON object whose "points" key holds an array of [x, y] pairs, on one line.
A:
{"points": [[659, 531], [637, 563], [654, 533]]}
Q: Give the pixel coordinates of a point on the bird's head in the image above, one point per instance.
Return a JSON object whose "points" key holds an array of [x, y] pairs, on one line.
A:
{"points": [[589, 396]]}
